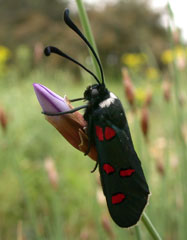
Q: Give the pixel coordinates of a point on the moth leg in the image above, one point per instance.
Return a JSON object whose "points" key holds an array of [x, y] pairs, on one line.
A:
{"points": [[90, 140], [76, 99], [89, 136], [62, 113], [95, 167]]}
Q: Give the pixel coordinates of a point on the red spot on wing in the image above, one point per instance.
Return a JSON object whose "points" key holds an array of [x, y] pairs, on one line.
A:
{"points": [[108, 168], [127, 172], [109, 133], [118, 198], [99, 133]]}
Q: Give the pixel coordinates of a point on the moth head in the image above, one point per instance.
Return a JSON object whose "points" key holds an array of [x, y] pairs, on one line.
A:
{"points": [[96, 93]]}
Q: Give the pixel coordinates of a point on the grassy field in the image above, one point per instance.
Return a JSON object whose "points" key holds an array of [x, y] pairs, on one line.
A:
{"points": [[69, 205]]}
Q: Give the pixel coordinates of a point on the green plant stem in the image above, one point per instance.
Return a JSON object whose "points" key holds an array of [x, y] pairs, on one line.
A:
{"points": [[137, 231], [150, 228], [179, 115], [88, 33], [87, 29]]}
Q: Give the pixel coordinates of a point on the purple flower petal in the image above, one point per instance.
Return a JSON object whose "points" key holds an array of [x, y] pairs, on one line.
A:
{"points": [[50, 101]]}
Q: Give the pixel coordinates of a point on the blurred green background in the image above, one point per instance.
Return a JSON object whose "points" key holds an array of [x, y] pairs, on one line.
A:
{"points": [[46, 188]]}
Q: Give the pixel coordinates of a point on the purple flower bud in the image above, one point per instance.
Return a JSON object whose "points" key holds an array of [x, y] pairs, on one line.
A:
{"points": [[71, 126], [50, 101]]}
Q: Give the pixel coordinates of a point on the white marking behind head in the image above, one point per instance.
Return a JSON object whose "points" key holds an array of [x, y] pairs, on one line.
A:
{"points": [[112, 95], [107, 102]]}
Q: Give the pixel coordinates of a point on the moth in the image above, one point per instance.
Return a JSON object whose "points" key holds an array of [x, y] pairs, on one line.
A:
{"points": [[122, 178]]}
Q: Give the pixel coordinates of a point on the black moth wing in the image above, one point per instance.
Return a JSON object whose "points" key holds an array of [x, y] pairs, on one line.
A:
{"points": [[122, 177]]}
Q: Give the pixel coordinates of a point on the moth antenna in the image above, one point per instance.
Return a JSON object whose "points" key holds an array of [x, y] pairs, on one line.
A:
{"points": [[50, 49], [69, 22]]}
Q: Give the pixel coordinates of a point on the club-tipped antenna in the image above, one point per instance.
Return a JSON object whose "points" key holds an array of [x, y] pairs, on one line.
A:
{"points": [[50, 49], [69, 22]]}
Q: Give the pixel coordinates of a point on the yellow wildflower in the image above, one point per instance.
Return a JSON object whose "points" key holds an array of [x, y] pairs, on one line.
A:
{"points": [[4, 54], [134, 60], [140, 95], [179, 52], [167, 56], [170, 55], [152, 73]]}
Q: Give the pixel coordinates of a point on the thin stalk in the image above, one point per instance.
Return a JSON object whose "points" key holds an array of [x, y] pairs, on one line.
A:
{"points": [[150, 228], [137, 231], [178, 117], [88, 33]]}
